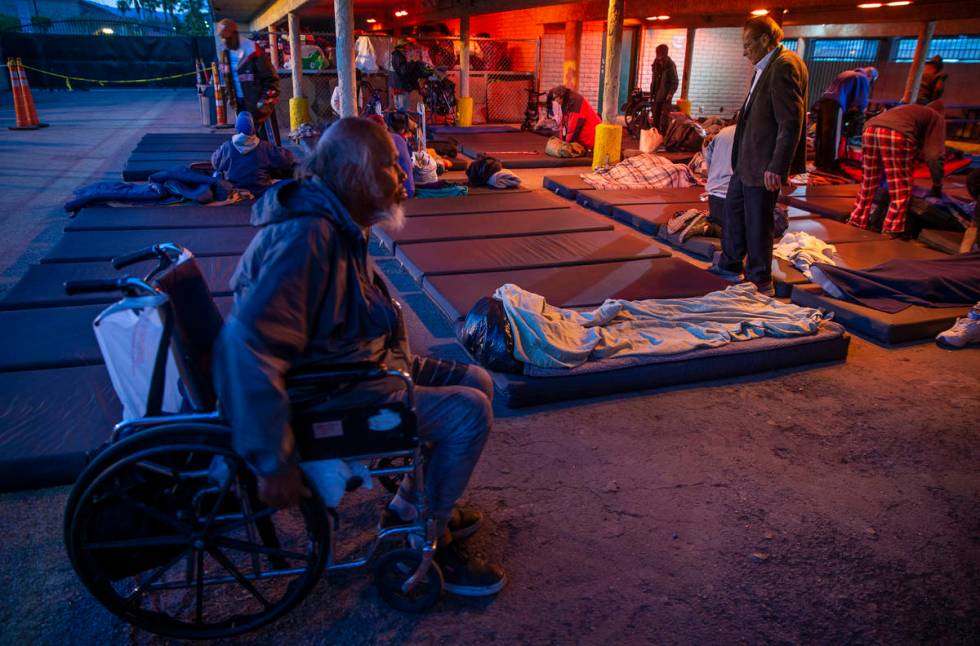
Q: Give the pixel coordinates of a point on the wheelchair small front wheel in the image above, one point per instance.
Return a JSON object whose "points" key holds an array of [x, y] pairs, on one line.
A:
{"points": [[394, 570]]}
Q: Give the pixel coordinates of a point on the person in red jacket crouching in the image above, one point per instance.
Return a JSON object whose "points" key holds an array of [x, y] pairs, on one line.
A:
{"points": [[577, 119]]}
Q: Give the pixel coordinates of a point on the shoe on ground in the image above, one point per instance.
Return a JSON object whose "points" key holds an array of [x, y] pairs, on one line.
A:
{"points": [[681, 219], [730, 276], [697, 227], [966, 331], [464, 522], [468, 576], [766, 288]]}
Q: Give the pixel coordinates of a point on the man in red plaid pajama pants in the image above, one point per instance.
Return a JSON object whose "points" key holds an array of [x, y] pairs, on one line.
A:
{"points": [[891, 143]]}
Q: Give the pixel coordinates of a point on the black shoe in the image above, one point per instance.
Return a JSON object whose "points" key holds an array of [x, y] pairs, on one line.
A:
{"points": [[730, 276], [462, 524], [468, 576]]}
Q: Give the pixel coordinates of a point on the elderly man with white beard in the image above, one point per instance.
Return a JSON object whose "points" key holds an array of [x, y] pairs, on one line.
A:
{"points": [[306, 295]]}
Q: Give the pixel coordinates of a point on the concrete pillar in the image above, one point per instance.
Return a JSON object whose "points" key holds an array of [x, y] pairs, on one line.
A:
{"points": [[299, 110], [926, 30], [465, 105], [274, 45], [343, 11], [688, 62], [609, 136], [573, 53], [614, 51]]}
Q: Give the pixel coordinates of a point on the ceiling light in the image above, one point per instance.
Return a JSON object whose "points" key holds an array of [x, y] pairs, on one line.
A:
{"points": [[663, 17], [401, 13], [370, 21], [900, 3], [760, 12], [870, 5], [107, 31]]}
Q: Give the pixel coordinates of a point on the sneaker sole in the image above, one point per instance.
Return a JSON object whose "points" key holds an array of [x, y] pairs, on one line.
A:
{"points": [[471, 591], [949, 346]]}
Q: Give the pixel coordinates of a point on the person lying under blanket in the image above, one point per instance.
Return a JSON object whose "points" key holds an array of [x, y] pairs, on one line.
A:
{"points": [[249, 162]]}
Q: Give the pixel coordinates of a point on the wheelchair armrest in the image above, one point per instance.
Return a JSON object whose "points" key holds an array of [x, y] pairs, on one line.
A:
{"points": [[337, 373]]}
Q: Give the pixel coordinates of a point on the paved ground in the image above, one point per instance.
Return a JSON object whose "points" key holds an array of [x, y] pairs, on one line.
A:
{"points": [[833, 505]]}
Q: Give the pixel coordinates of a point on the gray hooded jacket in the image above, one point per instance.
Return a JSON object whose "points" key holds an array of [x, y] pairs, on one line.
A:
{"points": [[305, 296]]}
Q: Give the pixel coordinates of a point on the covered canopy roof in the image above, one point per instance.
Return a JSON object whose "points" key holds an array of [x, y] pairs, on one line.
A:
{"points": [[683, 13]]}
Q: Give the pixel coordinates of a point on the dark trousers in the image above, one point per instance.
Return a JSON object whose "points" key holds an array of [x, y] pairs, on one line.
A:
{"points": [[746, 240], [827, 143], [661, 116]]}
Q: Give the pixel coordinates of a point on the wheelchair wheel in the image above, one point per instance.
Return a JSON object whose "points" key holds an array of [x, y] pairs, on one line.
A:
{"points": [[639, 118], [166, 531], [393, 571]]}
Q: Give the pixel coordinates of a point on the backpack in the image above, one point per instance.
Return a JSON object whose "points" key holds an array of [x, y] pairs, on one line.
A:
{"points": [[683, 135]]}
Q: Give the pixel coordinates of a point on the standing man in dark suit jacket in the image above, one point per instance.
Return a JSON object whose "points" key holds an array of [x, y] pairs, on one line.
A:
{"points": [[770, 144]]}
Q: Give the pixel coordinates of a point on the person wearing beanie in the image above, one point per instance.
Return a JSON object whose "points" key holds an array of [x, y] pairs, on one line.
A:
{"points": [[843, 102], [398, 138], [250, 163], [933, 83], [890, 144]]}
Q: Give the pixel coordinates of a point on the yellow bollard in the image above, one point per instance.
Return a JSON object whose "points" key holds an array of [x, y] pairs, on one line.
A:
{"points": [[684, 106], [608, 147], [299, 112], [464, 117]]}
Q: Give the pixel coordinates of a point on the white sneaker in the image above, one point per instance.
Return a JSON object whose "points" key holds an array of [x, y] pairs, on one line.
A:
{"points": [[966, 331]]}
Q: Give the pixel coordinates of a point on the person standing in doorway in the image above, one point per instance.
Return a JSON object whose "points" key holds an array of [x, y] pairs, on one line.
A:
{"points": [[933, 81], [248, 76], [663, 84], [769, 145]]}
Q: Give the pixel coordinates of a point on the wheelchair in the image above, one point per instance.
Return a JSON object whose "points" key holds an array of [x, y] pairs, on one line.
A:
{"points": [[164, 525]]}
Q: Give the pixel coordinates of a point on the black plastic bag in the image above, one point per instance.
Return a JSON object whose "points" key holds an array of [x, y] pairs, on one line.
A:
{"points": [[487, 335], [481, 170]]}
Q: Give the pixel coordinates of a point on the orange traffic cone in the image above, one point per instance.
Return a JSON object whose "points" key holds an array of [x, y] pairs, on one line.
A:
{"points": [[220, 111], [26, 113]]}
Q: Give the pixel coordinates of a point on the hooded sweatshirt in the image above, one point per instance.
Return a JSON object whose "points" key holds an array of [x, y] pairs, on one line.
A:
{"points": [[249, 163], [305, 296]]}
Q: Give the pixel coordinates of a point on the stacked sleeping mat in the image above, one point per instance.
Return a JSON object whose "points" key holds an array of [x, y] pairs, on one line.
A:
{"points": [[160, 151], [59, 403], [832, 200], [649, 210], [526, 150], [574, 258]]}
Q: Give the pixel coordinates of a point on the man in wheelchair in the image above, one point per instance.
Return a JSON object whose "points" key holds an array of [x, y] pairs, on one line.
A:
{"points": [[305, 296]]}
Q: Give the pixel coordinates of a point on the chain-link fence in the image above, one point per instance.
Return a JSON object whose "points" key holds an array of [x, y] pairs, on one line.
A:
{"points": [[425, 70]]}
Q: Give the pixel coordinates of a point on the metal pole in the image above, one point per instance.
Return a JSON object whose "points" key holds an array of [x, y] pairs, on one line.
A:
{"points": [[573, 51], [274, 46], [688, 62], [464, 56], [343, 11], [614, 50], [926, 30], [296, 51]]}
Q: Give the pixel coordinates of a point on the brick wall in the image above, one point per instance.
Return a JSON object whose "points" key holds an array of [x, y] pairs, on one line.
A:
{"points": [[591, 62], [720, 76], [552, 57], [674, 39]]}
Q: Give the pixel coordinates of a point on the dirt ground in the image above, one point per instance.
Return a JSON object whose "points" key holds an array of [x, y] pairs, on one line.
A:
{"points": [[837, 504]]}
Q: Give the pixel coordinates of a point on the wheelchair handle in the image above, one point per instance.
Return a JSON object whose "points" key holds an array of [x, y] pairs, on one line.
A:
{"points": [[126, 284], [164, 250]]}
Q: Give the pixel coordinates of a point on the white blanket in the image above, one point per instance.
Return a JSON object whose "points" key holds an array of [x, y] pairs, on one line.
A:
{"points": [[552, 337], [802, 250]]}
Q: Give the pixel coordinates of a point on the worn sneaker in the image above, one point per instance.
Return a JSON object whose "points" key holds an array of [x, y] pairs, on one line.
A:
{"points": [[766, 288], [966, 331], [468, 576], [681, 219], [730, 276], [697, 227], [464, 522]]}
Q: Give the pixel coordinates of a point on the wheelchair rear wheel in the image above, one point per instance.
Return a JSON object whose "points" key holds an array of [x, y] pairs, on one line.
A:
{"points": [[640, 117], [166, 531]]}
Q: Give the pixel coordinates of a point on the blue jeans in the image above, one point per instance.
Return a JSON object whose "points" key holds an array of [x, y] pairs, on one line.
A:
{"points": [[453, 403]]}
